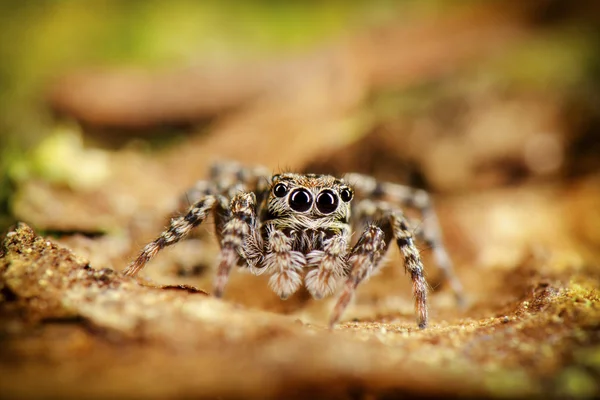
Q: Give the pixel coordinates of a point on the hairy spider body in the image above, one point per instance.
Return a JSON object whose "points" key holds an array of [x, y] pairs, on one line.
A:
{"points": [[298, 229]]}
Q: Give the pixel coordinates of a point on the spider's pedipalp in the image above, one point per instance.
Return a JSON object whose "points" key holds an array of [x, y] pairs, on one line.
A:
{"points": [[284, 263], [179, 228], [329, 265]]}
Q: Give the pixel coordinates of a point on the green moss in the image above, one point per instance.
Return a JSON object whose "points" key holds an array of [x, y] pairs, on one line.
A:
{"points": [[589, 357], [509, 383], [575, 382], [10, 153]]}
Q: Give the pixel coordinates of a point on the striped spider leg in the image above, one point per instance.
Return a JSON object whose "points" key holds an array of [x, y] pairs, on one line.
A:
{"points": [[226, 195], [377, 197]]}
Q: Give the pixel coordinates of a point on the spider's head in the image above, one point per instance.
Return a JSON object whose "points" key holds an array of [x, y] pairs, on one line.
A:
{"points": [[312, 196]]}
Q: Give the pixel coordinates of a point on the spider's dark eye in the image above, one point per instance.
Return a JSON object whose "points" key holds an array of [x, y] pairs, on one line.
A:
{"points": [[280, 190], [346, 195], [327, 202], [300, 200]]}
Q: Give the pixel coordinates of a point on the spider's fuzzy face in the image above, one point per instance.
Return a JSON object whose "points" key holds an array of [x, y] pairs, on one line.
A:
{"points": [[311, 199]]}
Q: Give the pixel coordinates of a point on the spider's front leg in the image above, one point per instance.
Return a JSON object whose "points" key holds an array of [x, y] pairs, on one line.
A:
{"points": [[364, 259], [412, 264], [240, 227], [178, 229], [430, 232], [366, 256]]}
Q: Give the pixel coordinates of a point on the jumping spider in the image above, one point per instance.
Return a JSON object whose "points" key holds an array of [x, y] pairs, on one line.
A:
{"points": [[298, 227]]}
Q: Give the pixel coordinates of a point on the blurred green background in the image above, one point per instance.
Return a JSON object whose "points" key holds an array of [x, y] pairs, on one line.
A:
{"points": [[42, 40]]}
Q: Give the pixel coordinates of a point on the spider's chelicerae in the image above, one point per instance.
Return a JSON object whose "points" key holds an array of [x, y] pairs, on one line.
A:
{"points": [[298, 228]]}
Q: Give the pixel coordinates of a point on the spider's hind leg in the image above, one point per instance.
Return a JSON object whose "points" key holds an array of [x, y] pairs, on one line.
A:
{"points": [[229, 177], [430, 234]]}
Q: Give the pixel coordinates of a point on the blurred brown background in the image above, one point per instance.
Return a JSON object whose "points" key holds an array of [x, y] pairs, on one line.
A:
{"points": [[111, 110]]}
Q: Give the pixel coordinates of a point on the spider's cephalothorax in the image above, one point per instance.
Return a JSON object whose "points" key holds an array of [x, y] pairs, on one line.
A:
{"points": [[298, 227]]}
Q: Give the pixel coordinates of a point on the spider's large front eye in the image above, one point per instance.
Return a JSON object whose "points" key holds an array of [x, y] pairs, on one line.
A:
{"points": [[327, 202], [300, 200], [280, 190], [346, 195]]}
